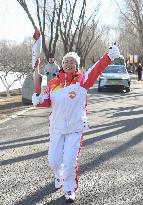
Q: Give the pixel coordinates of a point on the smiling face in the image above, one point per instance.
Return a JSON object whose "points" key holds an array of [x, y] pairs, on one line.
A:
{"points": [[69, 65]]}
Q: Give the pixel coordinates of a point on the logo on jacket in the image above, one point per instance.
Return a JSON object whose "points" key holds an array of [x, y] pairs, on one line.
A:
{"points": [[72, 94]]}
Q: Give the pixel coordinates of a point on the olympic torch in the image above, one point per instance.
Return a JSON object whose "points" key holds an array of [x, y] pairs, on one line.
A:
{"points": [[36, 50]]}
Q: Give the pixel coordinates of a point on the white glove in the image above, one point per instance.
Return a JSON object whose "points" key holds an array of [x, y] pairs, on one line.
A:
{"points": [[37, 99], [114, 52]]}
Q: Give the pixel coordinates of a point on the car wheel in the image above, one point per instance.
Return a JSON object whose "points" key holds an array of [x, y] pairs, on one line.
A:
{"points": [[99, 89], [127, 90]]}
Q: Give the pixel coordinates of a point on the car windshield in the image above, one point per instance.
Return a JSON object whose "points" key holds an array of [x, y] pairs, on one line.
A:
{"points": [[115, 69]]}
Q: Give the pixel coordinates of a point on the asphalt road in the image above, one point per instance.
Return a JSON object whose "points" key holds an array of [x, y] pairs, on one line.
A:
{"points": [[110, 162]]}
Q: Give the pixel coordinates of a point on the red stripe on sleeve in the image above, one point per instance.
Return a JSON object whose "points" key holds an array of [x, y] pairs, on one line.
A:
{"points": [[92, 74]]}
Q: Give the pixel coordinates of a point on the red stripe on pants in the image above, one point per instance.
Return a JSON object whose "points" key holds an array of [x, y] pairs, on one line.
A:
{"points": [[76, 166]]}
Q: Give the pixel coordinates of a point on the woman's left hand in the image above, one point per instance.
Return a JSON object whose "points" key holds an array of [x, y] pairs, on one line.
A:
{"points": [[114, 52]]}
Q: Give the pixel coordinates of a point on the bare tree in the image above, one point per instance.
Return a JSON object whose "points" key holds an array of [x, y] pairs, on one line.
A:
{"points": [[132, 22], [79, 32], [43, 11], [87, 41], [15, 60], [61, 20]]}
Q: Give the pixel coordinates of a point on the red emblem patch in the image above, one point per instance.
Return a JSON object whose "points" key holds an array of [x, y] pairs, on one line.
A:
{"points": [[72, 94]]}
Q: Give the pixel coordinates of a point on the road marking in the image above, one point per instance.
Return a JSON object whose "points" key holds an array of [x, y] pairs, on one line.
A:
{"points": [[16, 114]]}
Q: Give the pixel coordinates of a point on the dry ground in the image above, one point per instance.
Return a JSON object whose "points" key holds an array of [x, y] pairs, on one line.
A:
{"points": [[10, 105]]}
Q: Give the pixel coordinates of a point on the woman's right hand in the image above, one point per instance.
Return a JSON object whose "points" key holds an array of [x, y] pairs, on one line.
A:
{"points": [[37, 99]]}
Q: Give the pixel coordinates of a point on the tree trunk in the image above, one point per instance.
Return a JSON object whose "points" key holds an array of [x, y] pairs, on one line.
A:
{"points": [[7, 92]]}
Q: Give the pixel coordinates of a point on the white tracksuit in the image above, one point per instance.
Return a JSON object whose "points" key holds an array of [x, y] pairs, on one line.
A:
{"points": [[67, 94]]}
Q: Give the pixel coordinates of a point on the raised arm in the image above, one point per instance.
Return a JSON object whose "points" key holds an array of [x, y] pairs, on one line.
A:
{"points": [[92, 74]]}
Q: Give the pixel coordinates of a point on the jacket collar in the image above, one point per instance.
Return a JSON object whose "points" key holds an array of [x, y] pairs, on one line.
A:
{"points": [[68, 77]]}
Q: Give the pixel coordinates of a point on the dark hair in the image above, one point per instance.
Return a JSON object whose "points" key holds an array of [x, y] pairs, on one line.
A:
{"points": [[51, 55]]}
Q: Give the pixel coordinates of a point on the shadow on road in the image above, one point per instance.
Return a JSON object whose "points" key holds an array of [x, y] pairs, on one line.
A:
{"points": [[110, 154], [58, 201], [23, 139], [24, 144], [24, 158], [38, 195], [122, 125], [111, 96], [47, 190]]}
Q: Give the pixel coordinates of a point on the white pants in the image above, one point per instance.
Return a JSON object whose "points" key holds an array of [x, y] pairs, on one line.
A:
{"points": [[63, 156]]}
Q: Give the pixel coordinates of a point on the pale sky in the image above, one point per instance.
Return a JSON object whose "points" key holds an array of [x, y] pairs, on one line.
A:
{"points": [[15, 25]]}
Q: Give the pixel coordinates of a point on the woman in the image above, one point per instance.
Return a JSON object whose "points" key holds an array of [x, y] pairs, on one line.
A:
{"points": [[67, 95]]}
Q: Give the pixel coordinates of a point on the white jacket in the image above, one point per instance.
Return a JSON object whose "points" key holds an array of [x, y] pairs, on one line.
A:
{"points": [[67, 95]]}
